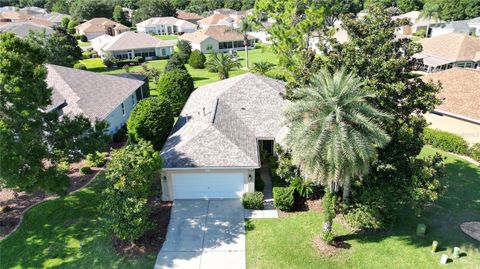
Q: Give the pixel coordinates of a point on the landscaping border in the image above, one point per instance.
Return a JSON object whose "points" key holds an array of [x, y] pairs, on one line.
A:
{"points": [[51, 198]]}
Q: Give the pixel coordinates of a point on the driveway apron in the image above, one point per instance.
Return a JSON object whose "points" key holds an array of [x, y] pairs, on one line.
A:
{"points": [[204, 234]]}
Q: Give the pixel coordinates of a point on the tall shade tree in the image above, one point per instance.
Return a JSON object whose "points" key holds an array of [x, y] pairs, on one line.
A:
{"points": [[153, 8], [334, 133], [222, 63], [32, 140]]}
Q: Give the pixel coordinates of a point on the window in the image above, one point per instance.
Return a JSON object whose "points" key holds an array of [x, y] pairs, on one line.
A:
{"points": [[123, 109], [164, 52], [133, 100]]}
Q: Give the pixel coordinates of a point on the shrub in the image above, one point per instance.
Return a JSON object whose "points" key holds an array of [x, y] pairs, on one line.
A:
{"points": [[120, 135], [63, 167], [175, 86], [259, 184], [152, 120], [184, 50], [304, 188], [283, 198], [262, 67], [364, 217], [475, 151], [80, 66], [197, 59], [139, 59], [253, 200], [446, 141], [175, 62], [420, 33], [83, 38], [97, 159], [85, 170], [110, 61], [128, 184]]}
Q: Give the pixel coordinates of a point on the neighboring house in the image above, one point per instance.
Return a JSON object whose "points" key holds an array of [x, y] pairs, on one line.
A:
{"points": [[217, 38], [188, 16], [216, 20], [166, 26], [99, 26], [447, 51], [475, 25], [418, 21], [340, 35], [128, 13], [23, 29], [129, 45], [7, 9], [459, 112], [214, 147], [45, 19], [97, 96], [54, 17], [452, 27], [33, 10]]}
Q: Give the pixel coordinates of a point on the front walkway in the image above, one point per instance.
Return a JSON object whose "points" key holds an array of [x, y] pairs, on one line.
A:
{"points": [[269, 211], [204, 234]]}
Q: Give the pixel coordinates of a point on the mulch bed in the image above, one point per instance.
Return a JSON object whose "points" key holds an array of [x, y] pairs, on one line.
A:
{"points": [[302, 206], [153, 239], [13, 204], [326, 249]]}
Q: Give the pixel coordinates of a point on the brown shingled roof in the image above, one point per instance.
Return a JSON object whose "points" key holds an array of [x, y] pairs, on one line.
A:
{"points": [[453, 47], [188, 16], [460, 91], [97, 25], [218, 32]]}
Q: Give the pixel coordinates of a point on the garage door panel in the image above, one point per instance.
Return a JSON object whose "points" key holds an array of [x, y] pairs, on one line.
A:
{"points": [[207, 185]]}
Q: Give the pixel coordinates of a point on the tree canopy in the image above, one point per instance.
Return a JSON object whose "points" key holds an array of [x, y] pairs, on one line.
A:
{"points": [[176, 86], [153, 8]]}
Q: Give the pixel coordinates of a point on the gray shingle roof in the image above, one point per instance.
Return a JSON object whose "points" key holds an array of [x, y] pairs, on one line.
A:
{"points": [[221, 122], [131, 40], [92, 94], [22, 29]]}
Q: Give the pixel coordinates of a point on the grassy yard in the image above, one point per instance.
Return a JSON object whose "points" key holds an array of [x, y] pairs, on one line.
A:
{"points": [[287, 242], [66, 233], [200, 76], [83, 44], [167, 37]]}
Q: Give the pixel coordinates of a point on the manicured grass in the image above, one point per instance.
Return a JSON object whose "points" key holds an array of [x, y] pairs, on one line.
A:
{"points": [[66, 233], [167, 37], [287, 242], [83, 44]]}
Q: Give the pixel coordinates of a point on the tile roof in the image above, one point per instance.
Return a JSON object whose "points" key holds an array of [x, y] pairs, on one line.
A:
{"points": [[460, 91], [216, 19], [166, 21], [221, 122], [22, 29], [97, 25], [133, 40], [217, 32], [453, 47], [89, 93], [188, 16]]}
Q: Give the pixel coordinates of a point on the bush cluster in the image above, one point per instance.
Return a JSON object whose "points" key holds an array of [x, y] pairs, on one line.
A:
{"points": [[85, 170], [364, 217], [63, 167], [197, 59], [80, 66], [283, 198], [253, 200], [446, 141], [97, 159], [120, 135], [475, 151], [176, 86]]}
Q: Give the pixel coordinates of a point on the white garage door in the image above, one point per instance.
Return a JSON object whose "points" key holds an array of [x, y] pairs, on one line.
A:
{"points": [[207, 185]]}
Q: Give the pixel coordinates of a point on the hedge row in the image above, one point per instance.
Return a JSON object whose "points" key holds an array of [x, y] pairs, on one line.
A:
{"points": [[451, 143]]}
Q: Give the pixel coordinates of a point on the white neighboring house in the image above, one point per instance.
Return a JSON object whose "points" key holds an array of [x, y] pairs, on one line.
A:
{"points": [[452, 27], [475, 25], [97, 96], [418, 20], [166, 26], [214, 147], [217, 38], [216, 20], [129, 45]]}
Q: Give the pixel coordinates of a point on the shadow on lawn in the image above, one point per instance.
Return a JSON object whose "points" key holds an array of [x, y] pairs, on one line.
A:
{"points": [[459, 204]]}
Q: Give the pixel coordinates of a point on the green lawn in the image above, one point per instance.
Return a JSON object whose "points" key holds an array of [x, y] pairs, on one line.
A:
{"points": [[66, 233], [83, 44], [200, 76], [287, 242], [167, 37]]}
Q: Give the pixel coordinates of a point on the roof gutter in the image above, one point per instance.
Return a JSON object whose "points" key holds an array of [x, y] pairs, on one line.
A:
{"points": [[453, 115]]}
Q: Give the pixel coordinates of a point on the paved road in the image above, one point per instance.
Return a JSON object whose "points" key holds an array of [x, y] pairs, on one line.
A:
{"points": [[204, 234]]}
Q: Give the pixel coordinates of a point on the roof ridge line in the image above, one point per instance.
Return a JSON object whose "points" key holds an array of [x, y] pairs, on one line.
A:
{"points": [[214, 111]]}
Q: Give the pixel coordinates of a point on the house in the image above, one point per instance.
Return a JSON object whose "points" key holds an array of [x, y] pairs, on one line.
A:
{"points": [[129, 45], [54, 17], [45, 19], [7, 9], [166, 26], [99, 26], [216, 20], [418, 21], [475, 25], [214, 147], [459, 112], [217, 38], [23, 29], [447, 51], [33, 10], [452, 27], [97, 96], [188, 16]]}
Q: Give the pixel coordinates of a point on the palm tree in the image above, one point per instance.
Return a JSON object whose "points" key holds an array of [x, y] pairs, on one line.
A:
{"points": [[262, 67], [221, 63], [246, 25], [430, 10], [333, 134]]}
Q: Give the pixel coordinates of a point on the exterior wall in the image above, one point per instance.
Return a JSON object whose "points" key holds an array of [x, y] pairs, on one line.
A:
{"points": [[162, 52], [207, 43], [116, 118], [167, 184], [92, 35], [131, 53], [468, 130]]}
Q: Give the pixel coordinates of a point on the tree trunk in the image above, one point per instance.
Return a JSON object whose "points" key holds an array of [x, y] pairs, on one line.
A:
{"points": [[245, 43], [428, 25], [346, 190]]}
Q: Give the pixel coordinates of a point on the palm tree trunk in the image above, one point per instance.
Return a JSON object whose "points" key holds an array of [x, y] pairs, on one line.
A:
{"points": [[245, 44], [428, 25], [346, 190]]}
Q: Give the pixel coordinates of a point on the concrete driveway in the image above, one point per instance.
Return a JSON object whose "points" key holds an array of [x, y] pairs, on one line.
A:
{"points": [[204, 234]]}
